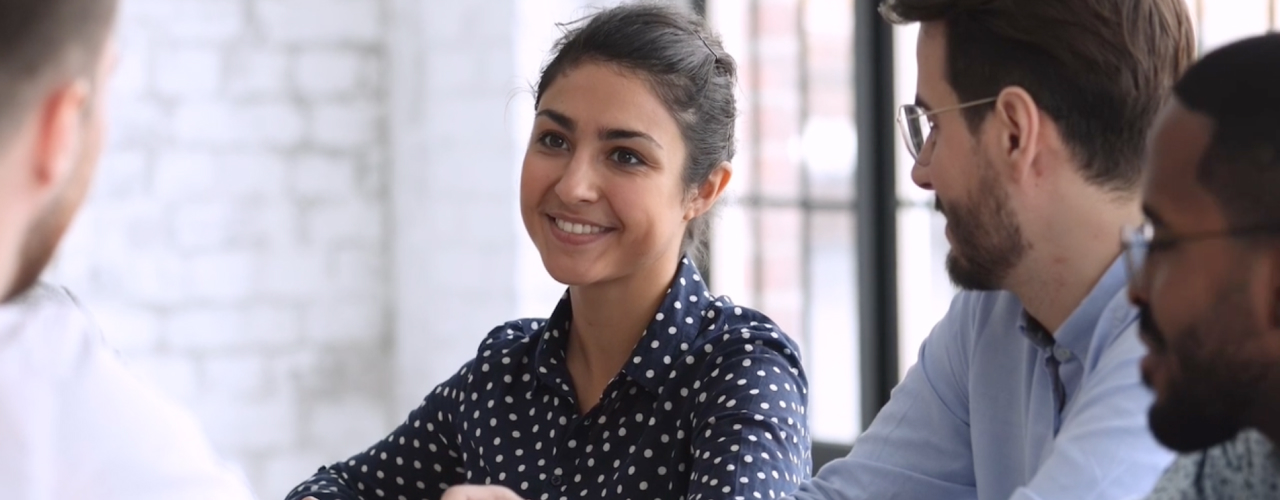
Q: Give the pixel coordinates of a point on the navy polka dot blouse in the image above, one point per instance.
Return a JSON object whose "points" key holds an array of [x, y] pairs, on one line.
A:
{"points": [[711, 406]]}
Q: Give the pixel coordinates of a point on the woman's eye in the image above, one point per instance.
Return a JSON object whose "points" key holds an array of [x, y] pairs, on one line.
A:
{"points": [[553, 141], [626, 157]]}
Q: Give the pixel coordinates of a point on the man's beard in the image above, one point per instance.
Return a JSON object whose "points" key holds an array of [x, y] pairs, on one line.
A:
{"points": [[1214, 382], [986, 240]]}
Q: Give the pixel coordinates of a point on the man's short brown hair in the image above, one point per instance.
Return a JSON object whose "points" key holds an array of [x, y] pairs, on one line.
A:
{"points": [[1100, 68], [42, 41]]}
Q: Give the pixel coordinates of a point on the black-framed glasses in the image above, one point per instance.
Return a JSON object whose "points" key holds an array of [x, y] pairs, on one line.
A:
{"points": [[917, 127], [1139, 242]]}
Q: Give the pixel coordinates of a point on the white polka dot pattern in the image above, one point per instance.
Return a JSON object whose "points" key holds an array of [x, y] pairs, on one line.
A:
{"points": [[711, 406]]}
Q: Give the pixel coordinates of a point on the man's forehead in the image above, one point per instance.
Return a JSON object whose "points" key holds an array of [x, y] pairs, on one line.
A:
{"points": [[1176, 149], [932, 28], [931, 44], [931, 64]]}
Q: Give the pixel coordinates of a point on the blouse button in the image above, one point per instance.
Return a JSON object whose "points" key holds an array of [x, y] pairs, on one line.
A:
{"points": [[555, 480]]}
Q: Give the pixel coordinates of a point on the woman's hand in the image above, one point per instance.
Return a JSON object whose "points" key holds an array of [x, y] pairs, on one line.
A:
{"points": [[469, 492]]}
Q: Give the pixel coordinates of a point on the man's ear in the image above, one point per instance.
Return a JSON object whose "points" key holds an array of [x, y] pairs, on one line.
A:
{"points": [[61, 121], [709, 191], [1017, 118]]}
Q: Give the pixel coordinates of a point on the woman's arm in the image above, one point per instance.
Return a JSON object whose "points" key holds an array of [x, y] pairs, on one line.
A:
{"points": [[751, 437], [419, 459]]}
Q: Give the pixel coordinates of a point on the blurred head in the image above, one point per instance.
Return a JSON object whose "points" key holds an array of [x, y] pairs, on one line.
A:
{"points": [[631, 143], [1019, 99], [1209, 291], [54, 56]]}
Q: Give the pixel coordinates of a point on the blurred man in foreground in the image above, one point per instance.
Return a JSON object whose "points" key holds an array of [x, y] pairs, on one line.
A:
{"points": [[74, 424], [1209, 292]]}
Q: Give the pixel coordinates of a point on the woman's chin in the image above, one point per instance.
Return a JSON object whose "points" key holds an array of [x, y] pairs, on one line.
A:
{"points": [[568, 271]]}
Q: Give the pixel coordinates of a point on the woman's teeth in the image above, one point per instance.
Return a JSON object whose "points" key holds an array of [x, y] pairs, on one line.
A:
{"points": [[573, 228]]}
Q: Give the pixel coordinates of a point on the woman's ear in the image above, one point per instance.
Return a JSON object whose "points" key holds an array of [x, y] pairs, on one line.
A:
{"points": [[709, 191]]}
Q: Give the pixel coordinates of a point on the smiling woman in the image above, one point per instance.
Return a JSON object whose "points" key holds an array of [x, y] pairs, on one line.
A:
{"points": [[641, 382], [601, 192]]}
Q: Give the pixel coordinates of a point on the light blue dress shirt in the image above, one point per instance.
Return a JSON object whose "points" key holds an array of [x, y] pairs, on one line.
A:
{"points": [[996, 409]]}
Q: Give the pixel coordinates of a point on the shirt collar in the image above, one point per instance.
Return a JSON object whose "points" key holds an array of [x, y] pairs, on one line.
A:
{"points": [[683, 313], [1076, 334], [553, 342]]}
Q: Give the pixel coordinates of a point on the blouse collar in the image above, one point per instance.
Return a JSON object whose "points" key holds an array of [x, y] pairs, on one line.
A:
{"points": [[686, 309]]}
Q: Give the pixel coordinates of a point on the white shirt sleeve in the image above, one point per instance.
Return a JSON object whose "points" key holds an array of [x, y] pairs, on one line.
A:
{"points": [[75, 423]]}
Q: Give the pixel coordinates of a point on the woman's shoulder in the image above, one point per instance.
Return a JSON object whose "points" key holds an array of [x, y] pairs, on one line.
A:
{"points": [[512, 335], [732, 313], [732, 328], [506, 347], [748, 366]]}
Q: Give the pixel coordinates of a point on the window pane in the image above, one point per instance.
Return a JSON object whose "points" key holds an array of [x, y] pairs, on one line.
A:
{"points": [[834, 394], [775, 89], [924, 290], [828, 140], [784, 241], [1220, 23], [781, 271]]}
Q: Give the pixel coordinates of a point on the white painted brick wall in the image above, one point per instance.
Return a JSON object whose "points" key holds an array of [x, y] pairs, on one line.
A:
{"points": [[320, 22], [344, 126], [336, 73], [187, 72], [225, 124], [209, 21], [258, 74]]}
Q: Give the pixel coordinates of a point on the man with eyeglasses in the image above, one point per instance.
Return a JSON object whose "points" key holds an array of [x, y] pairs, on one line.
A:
{"points": [[1030, 123], [1209, 293]]}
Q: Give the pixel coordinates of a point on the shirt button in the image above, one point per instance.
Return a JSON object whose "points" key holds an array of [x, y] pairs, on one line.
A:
{"points": [[555, 480], [1062, 353]]}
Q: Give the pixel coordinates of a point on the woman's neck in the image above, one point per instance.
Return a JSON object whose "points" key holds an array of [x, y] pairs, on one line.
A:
{"points": [[609, 318]]}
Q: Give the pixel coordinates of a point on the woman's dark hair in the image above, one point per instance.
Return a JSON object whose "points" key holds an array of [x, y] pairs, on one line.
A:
{"points": [[688, 69]]}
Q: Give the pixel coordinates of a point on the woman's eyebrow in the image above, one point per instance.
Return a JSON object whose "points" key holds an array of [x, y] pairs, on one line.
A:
{"points": [[615, 134]]}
